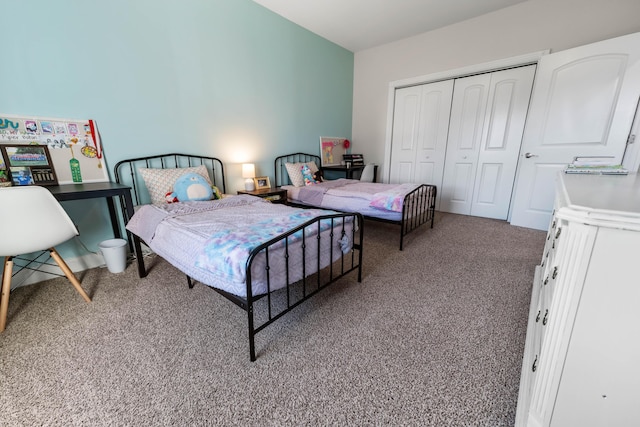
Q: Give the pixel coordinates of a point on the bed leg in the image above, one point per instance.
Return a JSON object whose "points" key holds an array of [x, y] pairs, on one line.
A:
{"points": [[190, 282], [252, 347]]}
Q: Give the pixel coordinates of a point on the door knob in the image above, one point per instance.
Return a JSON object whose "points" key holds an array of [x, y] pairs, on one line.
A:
{"points": [[529, 155]]}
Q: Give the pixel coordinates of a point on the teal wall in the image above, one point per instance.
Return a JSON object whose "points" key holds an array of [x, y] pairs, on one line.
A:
{"points": [[226, 78]]}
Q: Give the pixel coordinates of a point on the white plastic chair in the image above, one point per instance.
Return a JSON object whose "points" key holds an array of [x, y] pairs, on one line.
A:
{"points": [[32, 221], [367, 174]]}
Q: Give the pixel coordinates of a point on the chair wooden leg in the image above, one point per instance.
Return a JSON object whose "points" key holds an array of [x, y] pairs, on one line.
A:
{"points": [[67, 272], [6, 289]]}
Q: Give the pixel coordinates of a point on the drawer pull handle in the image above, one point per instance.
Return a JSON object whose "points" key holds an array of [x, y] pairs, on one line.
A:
{"points": [[555, 272], [546, 316], [535, 364], [558, 232], [538, 316], [546, 280]]}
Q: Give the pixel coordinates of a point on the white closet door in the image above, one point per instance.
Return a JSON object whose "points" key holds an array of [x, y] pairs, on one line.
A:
{"points": [[420, 126], [463, 145], [582, 104], [507, 106]]}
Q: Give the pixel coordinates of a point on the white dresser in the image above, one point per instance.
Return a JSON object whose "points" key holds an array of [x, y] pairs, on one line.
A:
{"points": [[581, 364]]}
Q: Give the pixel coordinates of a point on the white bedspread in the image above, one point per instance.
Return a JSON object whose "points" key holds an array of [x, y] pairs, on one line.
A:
{"points": [[179, 233]]}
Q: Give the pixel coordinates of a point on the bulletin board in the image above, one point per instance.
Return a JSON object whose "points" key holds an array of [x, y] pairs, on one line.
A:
{"points": [[332, 149], [74, 146]]}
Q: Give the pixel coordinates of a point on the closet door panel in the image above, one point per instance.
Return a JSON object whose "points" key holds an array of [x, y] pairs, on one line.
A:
{"points": [[489, 178], [508, 101], [420, 130], [427, 171], [405, 133], [465, 134]]}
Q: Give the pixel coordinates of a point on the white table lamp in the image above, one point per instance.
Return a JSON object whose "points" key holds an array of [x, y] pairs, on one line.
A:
{"points": [[249, 172]]}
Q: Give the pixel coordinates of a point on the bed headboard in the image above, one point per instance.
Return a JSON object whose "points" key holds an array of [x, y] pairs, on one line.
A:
{"points": [[126, 171], [282, 177]]}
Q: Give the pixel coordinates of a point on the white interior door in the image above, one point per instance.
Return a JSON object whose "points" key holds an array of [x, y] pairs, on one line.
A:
{"points": [[463, 145], [420, 128], [508, 102], [583, 104]]}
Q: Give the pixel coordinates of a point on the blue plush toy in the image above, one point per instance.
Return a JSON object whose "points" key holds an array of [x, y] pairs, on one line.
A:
{"points": [[191, 186]]}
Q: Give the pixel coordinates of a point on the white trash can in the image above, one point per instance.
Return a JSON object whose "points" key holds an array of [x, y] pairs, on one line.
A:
{"points": [[114, 252]]}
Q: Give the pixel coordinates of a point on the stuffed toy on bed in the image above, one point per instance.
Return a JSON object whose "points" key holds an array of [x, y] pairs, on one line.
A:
{"points": [[192, 187]]}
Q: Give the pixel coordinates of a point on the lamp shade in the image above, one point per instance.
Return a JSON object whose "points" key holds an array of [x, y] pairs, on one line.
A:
{"points": [[248, 170]]}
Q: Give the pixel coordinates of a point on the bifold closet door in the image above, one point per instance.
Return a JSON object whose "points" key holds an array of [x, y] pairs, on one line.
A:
{"points": [[419, 139], [488, 113]]}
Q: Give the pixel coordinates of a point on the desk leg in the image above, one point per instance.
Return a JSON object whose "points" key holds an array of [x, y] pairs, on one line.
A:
{"points": [[114, 217], [136, 240]]}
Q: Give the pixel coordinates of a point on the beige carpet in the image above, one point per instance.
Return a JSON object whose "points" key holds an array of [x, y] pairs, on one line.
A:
{"points": [[433, 336]]}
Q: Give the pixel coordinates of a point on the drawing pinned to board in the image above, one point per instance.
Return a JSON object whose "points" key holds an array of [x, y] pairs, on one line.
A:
{"points": [[332, 149], [85, 163]]}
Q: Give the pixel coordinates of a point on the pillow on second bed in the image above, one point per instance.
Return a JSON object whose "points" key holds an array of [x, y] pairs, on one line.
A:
{"points": [[159, 182], [295, 172]]}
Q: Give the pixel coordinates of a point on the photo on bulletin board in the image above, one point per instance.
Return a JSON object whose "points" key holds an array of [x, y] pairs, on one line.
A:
{"points": [[5, 179], [74, 147], [332, 149], [29, 164]]}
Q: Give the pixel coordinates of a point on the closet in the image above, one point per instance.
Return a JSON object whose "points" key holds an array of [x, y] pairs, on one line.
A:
{"points": [[463, 135]]}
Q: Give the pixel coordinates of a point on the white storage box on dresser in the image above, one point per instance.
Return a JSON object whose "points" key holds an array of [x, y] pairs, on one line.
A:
{"points": [[581, 364]]}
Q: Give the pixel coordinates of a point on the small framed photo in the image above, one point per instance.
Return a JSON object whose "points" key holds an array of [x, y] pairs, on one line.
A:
{"points": [[5, 180], [29, 164], [262, 182]]}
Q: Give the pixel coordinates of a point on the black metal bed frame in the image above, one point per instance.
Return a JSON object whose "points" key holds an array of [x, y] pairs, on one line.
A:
{"points": [[418, 206], [314, 278]]}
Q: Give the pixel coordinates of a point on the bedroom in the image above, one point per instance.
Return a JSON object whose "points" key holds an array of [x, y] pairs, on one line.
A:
{"points": [[232, 79]]}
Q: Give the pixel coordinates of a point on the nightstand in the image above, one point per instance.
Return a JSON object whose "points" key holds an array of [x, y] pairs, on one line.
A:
{"points": [[274, 195]]}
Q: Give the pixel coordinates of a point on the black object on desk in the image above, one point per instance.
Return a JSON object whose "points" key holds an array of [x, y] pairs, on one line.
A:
{"points": [[108, 190], [348, 171]]}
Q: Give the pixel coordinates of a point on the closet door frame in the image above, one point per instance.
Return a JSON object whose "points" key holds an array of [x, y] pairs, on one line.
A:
{"points": [[516, 61]]}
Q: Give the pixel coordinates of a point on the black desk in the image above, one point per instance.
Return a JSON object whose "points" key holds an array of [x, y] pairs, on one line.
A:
{"points": [[348, 171], [108, 190]]}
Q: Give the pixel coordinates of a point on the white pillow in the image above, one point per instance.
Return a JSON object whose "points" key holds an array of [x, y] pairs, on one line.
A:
{"points": [[295, 172], [159, 182]]}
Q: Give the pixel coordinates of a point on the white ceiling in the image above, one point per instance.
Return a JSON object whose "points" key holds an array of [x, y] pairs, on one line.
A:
{"points": [[362, 24]]}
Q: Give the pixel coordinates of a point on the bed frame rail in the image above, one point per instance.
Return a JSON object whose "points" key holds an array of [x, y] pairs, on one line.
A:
{"points": [[282, 177], [126, 171], [340, 264], [418, 208], [297, 292]]}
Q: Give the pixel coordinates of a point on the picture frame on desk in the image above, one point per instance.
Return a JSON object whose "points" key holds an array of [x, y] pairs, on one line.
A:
{"points": [[262, 182], [29, 164]]}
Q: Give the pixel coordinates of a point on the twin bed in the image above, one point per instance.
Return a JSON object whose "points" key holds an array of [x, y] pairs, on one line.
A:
{"points": [[407, 205], [266, 258]]}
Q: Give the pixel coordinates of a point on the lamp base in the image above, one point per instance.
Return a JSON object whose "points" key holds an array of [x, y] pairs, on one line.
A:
{"points": [[248, 185]]}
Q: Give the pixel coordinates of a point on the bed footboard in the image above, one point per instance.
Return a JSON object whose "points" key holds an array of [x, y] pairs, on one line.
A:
{"points": [[319, 265], [419, 207]]}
